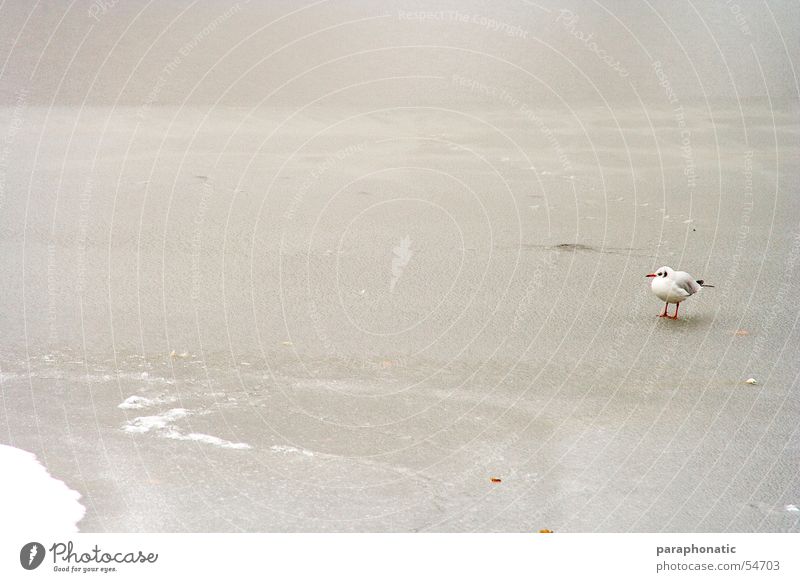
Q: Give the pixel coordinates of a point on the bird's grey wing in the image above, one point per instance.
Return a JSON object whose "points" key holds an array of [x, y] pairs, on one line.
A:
{"points": [[686, 283]]}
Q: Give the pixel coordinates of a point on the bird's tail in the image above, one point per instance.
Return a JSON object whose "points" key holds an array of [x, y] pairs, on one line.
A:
{"points": [[702, 283]]}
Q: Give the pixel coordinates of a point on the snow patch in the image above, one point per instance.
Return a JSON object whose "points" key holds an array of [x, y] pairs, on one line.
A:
{"points": [[136, 402], [205, 438], [287, 449], [144, 424], [31, 500], [163, 426]]}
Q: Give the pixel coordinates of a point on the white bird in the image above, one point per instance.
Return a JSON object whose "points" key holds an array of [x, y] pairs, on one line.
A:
{"points": [[673, 287]]}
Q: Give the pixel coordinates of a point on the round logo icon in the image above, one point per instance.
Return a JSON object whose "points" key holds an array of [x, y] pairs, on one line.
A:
{"points": [[31, 555]]}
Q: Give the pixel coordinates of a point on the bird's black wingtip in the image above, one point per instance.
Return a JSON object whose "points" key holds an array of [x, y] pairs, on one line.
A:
{"points": [[702, 283]]}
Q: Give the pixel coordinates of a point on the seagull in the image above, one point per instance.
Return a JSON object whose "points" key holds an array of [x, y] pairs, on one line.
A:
{"points": [[673, 287]]}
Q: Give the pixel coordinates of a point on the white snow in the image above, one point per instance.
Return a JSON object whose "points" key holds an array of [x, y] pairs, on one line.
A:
{"points": [[136, 402], [162, 425], [31, 500], [205, 438], [287, 449], [144, 424]]}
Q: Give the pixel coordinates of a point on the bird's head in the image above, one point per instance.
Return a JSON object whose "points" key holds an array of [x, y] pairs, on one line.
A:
{"points": [[662, 272]]}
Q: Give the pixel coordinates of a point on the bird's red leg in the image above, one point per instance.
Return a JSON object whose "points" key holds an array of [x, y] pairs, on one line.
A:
{"points": [[665, 310], [676, 311]]}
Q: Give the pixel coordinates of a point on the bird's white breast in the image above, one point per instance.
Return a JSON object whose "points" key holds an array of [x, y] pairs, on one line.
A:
{"points": [[666, 290]]}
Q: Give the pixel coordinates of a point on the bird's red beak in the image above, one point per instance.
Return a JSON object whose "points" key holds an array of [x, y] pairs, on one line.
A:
{"points": [[651, 275]]}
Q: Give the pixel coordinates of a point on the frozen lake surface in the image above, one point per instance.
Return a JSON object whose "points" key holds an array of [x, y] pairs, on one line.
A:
{"points": [[379, 272]]}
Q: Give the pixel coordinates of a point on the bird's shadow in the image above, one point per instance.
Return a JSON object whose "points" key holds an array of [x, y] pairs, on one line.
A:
{"points": [[688, 322]]}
